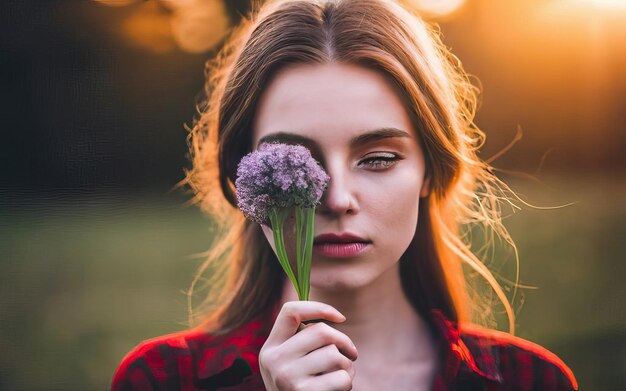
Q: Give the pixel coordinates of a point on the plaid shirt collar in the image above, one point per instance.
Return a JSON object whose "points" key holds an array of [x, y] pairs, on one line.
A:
{"points": [[470, 359], [461, 360]]}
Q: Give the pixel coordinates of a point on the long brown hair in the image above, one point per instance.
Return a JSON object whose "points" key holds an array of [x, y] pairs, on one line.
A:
{"points": [[244, 278]]}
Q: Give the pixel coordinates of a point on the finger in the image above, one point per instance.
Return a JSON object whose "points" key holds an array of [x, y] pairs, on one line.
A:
{"points": [[316, 336], [294, 312], [325, 360], [337, 381], [307, 323]]}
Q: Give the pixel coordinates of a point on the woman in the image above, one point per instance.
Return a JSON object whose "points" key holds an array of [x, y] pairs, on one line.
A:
{"points": [[388, 112]]}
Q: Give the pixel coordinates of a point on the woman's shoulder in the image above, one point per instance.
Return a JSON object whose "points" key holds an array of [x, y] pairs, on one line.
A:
{"points": [[192, 359], [516, 361], [153, 361]]}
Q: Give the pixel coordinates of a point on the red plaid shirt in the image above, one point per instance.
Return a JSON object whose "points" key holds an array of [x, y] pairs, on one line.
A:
{"points": [[474, 358]]}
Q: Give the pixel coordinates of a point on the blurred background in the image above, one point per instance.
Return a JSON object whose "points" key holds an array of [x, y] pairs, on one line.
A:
{"points": [[96, 250]]}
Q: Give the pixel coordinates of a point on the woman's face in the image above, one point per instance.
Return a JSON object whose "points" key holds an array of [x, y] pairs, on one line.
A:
{"points": [[356, 126]]}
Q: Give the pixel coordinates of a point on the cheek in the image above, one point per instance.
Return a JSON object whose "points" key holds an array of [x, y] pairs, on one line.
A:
{"points": [[400, 218], [395, 212]]}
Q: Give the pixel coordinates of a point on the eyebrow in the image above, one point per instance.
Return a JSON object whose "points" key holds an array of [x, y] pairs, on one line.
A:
{"points": [[358, 141]]}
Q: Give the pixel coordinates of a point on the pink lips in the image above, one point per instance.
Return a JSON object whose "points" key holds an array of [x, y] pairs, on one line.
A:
{"points": [[339, 245]]}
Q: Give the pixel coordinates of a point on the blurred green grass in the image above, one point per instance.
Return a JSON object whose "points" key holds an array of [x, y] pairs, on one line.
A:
{"points": [[85, 280]]}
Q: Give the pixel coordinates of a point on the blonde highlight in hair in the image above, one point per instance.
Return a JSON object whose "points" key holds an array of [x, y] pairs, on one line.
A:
{"points": [[381, 35]]}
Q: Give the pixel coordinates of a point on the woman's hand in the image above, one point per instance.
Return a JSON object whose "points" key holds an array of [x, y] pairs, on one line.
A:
{"points": [[316, 358]]}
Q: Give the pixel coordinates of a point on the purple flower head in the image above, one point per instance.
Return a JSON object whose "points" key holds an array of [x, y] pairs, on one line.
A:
{"points": [[278, 176]]}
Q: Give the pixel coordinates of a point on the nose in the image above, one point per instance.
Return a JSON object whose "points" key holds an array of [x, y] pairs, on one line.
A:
{"points": [[340, 196]]}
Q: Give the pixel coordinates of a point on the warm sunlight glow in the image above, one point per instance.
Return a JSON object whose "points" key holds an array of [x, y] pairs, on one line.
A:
{"points": [[116, 3], [609, 4], [618, 3], [437, 8]]}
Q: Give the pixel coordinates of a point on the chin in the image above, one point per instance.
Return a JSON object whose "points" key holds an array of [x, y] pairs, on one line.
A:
{"points": [[335, 280]]}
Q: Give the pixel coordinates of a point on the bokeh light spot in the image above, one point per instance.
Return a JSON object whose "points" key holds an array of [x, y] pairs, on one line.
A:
{"points": [[148, 27], [199, 25]]}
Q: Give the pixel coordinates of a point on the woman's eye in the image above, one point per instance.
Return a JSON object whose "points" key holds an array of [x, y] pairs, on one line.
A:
{"points": [[379, 161]]}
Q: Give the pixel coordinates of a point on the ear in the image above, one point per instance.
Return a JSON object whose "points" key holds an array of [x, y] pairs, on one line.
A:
{"points": [[425, 191]]}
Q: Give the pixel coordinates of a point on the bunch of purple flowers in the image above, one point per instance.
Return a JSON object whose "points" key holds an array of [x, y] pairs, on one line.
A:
{"points": [[274, 182]]}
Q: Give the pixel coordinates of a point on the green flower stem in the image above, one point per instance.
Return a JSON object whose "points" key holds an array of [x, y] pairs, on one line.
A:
{"points": [[305, 223], [299, 256], [308, 251], [277, 220]]}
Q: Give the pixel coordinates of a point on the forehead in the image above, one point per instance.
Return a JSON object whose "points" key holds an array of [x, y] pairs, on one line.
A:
{"points": [[329, 103]]}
